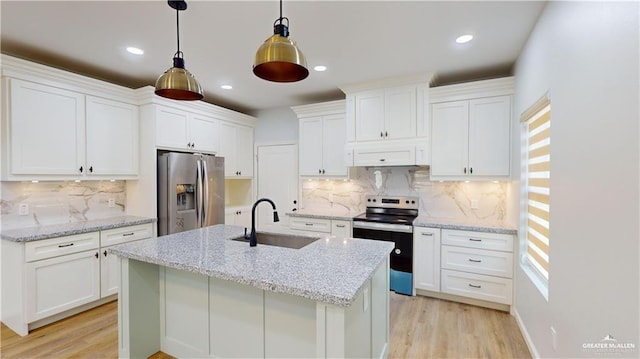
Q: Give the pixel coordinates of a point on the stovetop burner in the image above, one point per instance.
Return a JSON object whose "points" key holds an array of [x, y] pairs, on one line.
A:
{"points": [[387, 209]]}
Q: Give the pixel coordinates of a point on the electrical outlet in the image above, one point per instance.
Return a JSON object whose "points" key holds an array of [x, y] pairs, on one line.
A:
{"points": [[23, 209], [112, 202], [554, 339], [474, 204]]}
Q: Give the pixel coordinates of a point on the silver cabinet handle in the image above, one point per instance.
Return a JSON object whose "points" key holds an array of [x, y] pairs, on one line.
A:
{"points": [[475, 260], [475, 240], [340, 225], [65, 245], [475, 286], [427, 234], [308, 224], [382, 160], [127, 234]]}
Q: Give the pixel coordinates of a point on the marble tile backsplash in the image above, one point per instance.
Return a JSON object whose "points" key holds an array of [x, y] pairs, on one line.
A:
{"points": [[60, 202], [446, 200]]}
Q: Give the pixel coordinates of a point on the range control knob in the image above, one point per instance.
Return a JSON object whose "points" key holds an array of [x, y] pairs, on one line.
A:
{"points": [[413, 202], [397, 251], [374, 199], [407, 201]]}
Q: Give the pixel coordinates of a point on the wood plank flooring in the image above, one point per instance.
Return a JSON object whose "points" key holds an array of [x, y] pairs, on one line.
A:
{"points": [[420, 327]]}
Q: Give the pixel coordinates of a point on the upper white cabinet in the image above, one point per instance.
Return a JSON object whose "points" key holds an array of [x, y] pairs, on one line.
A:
{"points": [[386, 113], [183, 130], [322, 139], [387, 124], [112, 137], [471, 134], [46, 127], [236, 146], [53, 133]]}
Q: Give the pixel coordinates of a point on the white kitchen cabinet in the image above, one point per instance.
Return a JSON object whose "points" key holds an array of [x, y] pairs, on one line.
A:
{"points": [[57, 277], [236, 146], [57, 134], [46, 130], [240, 216], [183, 130], [112, 137], [477, 265], [471, 130], [388, 113], [426, 258], [321, 146], [340, 228], [471, 138]]}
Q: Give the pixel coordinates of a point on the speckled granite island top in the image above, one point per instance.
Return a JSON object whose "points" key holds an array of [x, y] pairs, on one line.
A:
{"points": [[424, 221], [330, 270], [67, 229]]}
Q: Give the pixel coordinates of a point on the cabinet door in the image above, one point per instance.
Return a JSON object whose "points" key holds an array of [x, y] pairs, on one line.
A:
{"points": [[370, 115], [311, 148], [341, 229], [47, 130], [244, 150], [426, 258], [172, 128], [112, 137], [243, 217], [61, 283], [400, 112], [450, 138], [489, 136], [334, 138], [228, 148], [230, 216], [203, 132], [109, 273]]}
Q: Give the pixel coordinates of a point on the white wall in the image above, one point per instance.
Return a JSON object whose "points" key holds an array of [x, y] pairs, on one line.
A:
{"points": [[277, 125], [587, 56]]}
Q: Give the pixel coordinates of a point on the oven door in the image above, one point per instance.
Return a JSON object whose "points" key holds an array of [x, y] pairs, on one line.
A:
{"points": [[401, 257]]}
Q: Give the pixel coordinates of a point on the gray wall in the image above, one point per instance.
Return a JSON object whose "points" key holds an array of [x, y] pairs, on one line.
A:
{"points": [[586, 55], [277, 125]]}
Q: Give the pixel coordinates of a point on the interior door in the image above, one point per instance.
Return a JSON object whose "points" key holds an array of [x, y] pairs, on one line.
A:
{"points": [[278, 181]]}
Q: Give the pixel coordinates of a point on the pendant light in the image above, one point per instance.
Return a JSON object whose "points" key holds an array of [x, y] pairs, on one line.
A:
{"points": [[177, 83], [278, 59]]}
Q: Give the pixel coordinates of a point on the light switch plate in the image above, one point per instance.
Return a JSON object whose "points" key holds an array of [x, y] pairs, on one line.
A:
{"points": [[23, 209], [474, 204], [112, 202]]}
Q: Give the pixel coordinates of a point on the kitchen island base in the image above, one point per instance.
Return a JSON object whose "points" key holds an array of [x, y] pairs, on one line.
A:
{"points": [[186, 314]]}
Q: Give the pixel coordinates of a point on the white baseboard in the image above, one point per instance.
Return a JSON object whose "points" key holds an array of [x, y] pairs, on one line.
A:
{"points": [[525, 334]]}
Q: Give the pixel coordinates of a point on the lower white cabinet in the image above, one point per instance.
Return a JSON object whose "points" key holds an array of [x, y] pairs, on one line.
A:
{"points": [[426, 258], [61, 283], [469, 264], [335, 227], [44, 279], [240, 216]]}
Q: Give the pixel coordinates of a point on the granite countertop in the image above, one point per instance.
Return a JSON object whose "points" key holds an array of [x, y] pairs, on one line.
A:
{"points": [[447, 223], [325, 214], [330, 270], [67, 229]]}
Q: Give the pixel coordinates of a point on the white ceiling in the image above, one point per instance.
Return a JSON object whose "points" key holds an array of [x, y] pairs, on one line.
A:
{"points": [[358, 41]]}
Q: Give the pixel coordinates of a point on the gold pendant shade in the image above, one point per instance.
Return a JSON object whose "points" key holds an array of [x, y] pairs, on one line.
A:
{"points": [[178, 83], [279, 60]]}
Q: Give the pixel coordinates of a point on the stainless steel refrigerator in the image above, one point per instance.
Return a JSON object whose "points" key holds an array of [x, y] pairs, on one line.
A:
{"points": [[190, 191]]}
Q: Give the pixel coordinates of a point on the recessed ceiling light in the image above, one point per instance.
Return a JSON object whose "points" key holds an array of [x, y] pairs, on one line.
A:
{"points": [[463, 39], [135, 50], [320, 68], [226, 87]]}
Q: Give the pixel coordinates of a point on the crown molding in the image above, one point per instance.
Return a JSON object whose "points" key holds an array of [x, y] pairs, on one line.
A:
{"points": [[476, 89], [320, 109]]}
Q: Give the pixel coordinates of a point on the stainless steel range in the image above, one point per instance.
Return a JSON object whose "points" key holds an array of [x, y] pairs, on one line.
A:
{"points": [[390, 219]]}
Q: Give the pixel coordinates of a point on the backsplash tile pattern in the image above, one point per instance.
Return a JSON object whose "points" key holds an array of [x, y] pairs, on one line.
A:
{"points": [[60, 202], [446, 200]]}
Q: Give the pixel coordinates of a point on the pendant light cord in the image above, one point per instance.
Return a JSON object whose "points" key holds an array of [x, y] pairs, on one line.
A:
{"points": [[178, 31]]}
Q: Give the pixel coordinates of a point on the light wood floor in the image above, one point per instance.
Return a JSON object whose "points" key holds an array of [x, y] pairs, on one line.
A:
{"points": [[420, 327]]}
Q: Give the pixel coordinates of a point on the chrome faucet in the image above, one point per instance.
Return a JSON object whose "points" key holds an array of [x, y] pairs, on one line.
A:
{"points": [[253, 241]]}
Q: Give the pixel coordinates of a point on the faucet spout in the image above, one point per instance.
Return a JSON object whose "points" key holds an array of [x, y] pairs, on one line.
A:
{"points": [[253, 241]]}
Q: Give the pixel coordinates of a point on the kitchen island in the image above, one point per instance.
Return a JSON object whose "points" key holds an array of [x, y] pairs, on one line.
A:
{"points": [[201, 294]]}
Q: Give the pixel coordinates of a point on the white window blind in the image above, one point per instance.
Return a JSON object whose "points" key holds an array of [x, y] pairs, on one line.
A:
{"points": [[537, 169]]}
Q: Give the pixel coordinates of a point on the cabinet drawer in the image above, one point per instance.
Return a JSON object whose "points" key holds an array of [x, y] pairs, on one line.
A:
{"points": [[54, 247], [477, 286], [481, 240], [478, 261], [341, 228], [110, 237], [310, 224], [385, 156]]}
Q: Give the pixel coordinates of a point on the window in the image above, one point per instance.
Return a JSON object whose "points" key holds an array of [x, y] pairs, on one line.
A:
{"points": [[536, 171]]}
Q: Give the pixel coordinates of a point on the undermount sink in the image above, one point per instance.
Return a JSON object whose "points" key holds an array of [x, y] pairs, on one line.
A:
{"points": [[281, 240]]}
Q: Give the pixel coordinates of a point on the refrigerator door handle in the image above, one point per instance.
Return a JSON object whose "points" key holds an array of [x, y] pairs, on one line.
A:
{"points": [[199, 194], [206, 199]]}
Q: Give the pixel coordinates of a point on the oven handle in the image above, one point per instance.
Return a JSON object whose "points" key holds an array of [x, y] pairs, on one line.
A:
{"points": [[383, 226]]}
